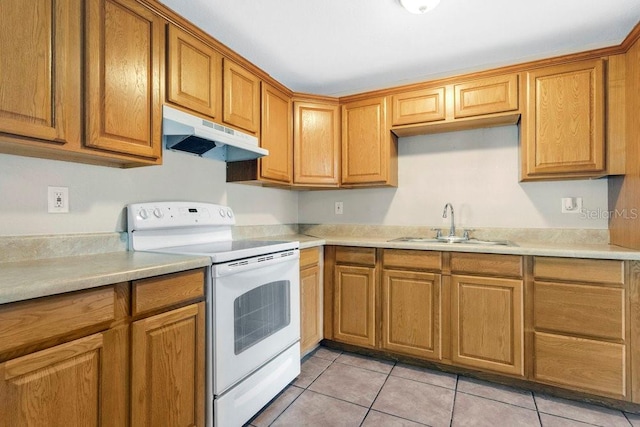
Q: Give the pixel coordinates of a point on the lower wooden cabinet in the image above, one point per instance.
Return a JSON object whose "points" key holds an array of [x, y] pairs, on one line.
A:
{"points": [[579, 320], [69, 359], [488, 323], [310, 300], [355, 305], [70, 384], [411, 313], [167, 369]]}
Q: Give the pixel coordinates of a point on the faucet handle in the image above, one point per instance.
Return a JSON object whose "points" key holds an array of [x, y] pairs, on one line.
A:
{"points": [[438, 232], [467, 231]]}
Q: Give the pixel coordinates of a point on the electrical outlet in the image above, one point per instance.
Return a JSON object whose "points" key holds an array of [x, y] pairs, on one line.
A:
{"points": [[339, 208], [58, 199], [571, 205]]}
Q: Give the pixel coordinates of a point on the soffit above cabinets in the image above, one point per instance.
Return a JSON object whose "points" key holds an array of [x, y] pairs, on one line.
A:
{"points": [[338, 47]]}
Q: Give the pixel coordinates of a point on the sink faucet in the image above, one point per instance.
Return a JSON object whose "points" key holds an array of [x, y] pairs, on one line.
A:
{"points": [[452, 229]]}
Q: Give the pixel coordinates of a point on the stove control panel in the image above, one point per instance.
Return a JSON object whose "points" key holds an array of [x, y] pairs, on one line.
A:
{"points": [[145, 216]]}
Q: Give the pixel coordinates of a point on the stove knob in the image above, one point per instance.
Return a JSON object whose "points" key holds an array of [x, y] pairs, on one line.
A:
{"points": [[221, 212], [158, 213], [229, 213], [142, 213]]}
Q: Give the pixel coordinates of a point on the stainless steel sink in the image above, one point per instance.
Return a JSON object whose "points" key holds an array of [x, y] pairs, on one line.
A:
{"points": [[453, 239]]}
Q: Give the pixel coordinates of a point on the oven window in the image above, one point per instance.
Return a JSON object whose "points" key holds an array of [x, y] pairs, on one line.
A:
{"points": [[260, 313]]}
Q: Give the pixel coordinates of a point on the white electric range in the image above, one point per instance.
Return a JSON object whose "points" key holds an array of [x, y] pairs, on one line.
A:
{"points": [[253, 302]]}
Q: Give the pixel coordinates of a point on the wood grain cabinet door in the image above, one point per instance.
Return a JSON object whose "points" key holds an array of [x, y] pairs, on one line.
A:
{"points": [[40, 45], [487, 323], [241, 105], [354, 307], [418, 106], [65, 385], [167, 380], [124, 50], [316, 144], [369, 150], [310, 308], [486, 96], [194, 74], [276, 135], [563, 131], [411, 313]]}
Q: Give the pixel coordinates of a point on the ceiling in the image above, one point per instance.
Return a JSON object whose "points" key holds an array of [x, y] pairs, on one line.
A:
{"points": [[339, 47]]}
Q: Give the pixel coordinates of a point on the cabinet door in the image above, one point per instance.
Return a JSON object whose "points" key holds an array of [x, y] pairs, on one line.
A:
{"points": [[563, 123], [487, 323], [411, 311], [241, 106], [486, 96], [316, 144], [369, 150], [66, 385], [124, 54], [167, 381], [310, 308], [276, 135], [40, 69], [354, 305], [194, 73], [418, 106]]}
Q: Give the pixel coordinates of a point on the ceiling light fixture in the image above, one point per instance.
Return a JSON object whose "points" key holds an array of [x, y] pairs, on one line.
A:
{"points": [[419, 6]]}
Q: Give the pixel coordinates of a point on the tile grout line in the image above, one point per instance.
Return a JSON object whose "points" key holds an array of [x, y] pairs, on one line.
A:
{"points": [[535, 403], [455, 396], [377, 394]]}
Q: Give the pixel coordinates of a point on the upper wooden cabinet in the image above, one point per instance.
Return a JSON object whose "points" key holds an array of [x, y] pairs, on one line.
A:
{"points": [[369, 149], [486, 96], [432, 108], [316, 143], [276, 136], [40, 62], [563, 133], [194, 74], [241, 106], [123, 105], [418, 106]]}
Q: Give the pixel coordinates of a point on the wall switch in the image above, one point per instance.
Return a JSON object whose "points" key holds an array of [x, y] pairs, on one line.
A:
{"points": [[571, 204], [58, 199], [339, 208]]}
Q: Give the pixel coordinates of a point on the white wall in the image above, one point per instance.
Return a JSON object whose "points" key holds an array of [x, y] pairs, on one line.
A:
{"points": [[99, 194], [477, 171]]}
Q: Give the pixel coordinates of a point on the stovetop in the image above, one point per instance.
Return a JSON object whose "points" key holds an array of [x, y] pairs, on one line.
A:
{"points": [[193, 228], [232, 250]]}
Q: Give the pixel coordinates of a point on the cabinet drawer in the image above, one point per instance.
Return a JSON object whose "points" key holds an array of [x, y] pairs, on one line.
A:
{"points": [[413, 260], [34, 321], [498, 265], [418, 106], [355, 255], [165, 291], [309, 257], [486, 96], [579, 270], [587, 365], [579, 309]]}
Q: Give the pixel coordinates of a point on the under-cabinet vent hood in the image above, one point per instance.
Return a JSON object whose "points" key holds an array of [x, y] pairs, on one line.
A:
{"points": [[193, 135]]}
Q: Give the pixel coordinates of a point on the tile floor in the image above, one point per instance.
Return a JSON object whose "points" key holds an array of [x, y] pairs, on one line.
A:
{"points": [[344, 389]]}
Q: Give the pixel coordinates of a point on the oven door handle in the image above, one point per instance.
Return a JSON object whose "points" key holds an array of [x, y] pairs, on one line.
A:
{"points": [[262, 261]]}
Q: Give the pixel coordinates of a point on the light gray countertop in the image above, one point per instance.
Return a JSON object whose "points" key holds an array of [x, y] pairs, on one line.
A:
{"points": [[570, 250], [24, 280]]}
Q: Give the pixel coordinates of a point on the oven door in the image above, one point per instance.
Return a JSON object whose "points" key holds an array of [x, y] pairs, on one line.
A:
{"points": [[256, 314]]}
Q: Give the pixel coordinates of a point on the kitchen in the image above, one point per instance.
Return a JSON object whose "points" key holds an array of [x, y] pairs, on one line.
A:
{"points": [[97, 195]]}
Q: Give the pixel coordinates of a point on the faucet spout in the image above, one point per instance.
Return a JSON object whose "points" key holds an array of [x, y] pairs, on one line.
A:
{"points": [[452, 229]]}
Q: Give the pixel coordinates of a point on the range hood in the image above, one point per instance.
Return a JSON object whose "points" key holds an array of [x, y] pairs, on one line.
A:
{"points": [[193, 135]]}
